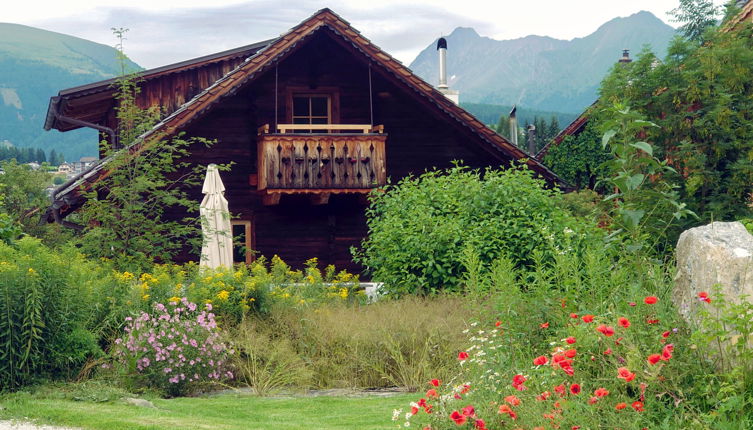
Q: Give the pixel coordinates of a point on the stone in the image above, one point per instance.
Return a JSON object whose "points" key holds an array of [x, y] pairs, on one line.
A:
{"points": [[718, 253], [142, 403]]}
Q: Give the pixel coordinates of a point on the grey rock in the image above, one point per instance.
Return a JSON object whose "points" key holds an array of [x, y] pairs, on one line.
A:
{"points": [[718, 253], [139, 402]]}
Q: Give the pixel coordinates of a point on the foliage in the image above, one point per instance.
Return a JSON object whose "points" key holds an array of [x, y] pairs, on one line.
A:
{"points": [[23, 190], [175, 349], [643, 205], [419, 228], [54, 308], [578, 160], [701, 102], [696, 16], [126, 216]]}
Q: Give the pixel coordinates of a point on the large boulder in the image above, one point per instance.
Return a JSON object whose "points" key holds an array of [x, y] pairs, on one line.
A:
{"points": [[718, 253]]}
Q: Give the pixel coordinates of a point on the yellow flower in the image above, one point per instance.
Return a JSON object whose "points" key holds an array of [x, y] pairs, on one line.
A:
{"points": [[343, 293], [127, 276], [32, 271], [145, 297], [208, 301], [223, 295], [251, 300], [174, 299]]}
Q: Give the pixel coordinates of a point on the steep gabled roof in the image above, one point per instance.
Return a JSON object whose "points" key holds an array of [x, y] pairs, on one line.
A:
{"points": [[746, 12], [572, 129], [277, 50]]}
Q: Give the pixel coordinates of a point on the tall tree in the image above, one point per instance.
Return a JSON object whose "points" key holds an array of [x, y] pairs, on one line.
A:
{"points": [[695, 16]]}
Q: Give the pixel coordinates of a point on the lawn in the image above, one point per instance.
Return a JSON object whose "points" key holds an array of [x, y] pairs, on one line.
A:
{"points": [[233, 411]]}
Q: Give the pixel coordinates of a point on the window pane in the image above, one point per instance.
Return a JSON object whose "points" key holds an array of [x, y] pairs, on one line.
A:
{"points": [[319, 121], [300, 120], [301, 106], [319, 106]]}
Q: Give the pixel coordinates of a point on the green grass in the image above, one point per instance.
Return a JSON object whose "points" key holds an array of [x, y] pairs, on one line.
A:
{"points": [[220, 412]]}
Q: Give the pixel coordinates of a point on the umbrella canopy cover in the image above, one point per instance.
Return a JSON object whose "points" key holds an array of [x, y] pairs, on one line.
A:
{"points": [[217, 247]]}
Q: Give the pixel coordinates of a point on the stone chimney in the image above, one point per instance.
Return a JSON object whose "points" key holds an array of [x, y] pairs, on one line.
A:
{"points": [[443, 87]]}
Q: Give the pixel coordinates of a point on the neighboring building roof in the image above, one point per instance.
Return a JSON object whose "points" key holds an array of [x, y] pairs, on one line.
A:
{"points": [[745, 14], [278, 49], [572, 129]]}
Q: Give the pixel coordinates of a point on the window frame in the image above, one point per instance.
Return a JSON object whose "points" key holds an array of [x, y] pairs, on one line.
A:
{"points": [[332, 93], [248, 243]]}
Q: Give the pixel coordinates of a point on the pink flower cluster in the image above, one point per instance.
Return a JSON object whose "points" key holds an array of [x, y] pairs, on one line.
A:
{"points": [[174, 348]]}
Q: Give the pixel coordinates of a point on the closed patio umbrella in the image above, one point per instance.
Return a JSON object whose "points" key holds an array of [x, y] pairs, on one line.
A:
{"points": [[217, 246]]}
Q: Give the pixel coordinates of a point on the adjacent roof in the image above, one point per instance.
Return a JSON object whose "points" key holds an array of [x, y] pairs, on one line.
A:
{"points": [[746, 13], [269, 53], [573, 129]]}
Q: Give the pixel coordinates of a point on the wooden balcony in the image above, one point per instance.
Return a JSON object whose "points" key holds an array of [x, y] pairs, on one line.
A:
{"points": [[341, 159]]}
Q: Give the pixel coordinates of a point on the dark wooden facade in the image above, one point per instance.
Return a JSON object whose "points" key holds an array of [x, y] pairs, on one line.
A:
{"points": [[304, 193]]}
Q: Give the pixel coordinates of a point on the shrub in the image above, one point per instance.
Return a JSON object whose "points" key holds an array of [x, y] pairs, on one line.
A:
{"points": [[174, 349], [55, 307], [419, 228]]}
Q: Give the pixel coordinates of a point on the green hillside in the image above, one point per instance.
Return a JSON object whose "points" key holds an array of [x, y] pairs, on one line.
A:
{"points": [[34, 65]]}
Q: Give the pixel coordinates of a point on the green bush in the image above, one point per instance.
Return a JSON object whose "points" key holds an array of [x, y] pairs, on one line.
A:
{"points": [[55, 308], [419, 228]]}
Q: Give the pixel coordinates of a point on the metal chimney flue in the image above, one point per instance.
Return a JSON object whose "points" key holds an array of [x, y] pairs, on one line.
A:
{"points": [[442, 49], [531, 140], [514, 125]]}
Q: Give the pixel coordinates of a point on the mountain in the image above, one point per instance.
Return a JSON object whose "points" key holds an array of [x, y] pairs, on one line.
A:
{"points": [[34, 65], [540, 72]]}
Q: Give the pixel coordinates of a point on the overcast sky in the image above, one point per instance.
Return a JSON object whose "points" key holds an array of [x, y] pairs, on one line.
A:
{"points": [[167, 31]]}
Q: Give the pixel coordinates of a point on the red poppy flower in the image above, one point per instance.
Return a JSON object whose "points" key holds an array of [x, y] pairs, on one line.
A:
{"points": [[573, 315], [428, 408], [624, 322], [665, 334], [414, 410], [605, 330], [575, 389], [704, 297], [544, 325], [588, 318], [498, 323], [459, 418], [543, 396], [462, 355], [504, 409], [666, 352], [422, 403], [512, 400], [479, 424], [650, 300], [608, 351], [601, 392], [638, 406], [435, 382], [466, 388], [652, 321], [626, 374], [654, 358], [540, 360], [469, 411], [570, 340], [620, 406], [632, 304], [432, 394], [518, 381], [560, 389], [593, 400], [570, 353]]}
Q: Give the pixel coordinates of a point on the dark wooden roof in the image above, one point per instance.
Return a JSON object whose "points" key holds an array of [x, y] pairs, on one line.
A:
{"points": [[91, 102], [745, 14], [573, 129], [277, 50]]}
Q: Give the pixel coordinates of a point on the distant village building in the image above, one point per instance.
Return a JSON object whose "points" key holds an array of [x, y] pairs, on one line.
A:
{"points": [[65, 169]]}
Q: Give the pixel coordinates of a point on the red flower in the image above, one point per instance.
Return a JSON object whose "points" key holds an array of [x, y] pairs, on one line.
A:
{"points": [[633, 304], [469, 411], [650, 300], [480, 424], [652, 321], [422, 403], [560, 389], [435, 382], [540, 360], [570, 340], [543, 396], [704, 297], [504, 409], [459, 418], [626, 374], [498, 323], [466, 388], [605, 330], [601, 392], [654, 358], [666, 352], [620, 406], [624, 322], [414, 410], [638, 406], [512, 400], [588, 318], [573, 315], [462, 355], [570, 353], [593, 400], [665, 334], [575, 389], [608, 351], [518, 381], [432, 394], [544, 325]]}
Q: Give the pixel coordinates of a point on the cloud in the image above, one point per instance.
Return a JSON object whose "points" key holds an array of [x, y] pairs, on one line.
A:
{"points": [[157, 38]]}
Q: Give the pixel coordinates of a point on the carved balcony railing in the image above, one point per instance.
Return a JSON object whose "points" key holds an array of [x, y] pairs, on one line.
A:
{"points": [[342, 158]]}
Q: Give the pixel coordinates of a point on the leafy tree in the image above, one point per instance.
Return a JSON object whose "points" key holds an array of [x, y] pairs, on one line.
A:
{"points": [[579, 159], [696, 16], [129, 214]]}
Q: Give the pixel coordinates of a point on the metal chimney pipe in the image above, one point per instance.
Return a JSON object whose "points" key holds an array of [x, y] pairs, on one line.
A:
{"points": [[442, 48], [531, 140], [514, 125]]}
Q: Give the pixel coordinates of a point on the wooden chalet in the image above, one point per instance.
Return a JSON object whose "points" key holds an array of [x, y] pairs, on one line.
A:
{"points": [[312, 120]]}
